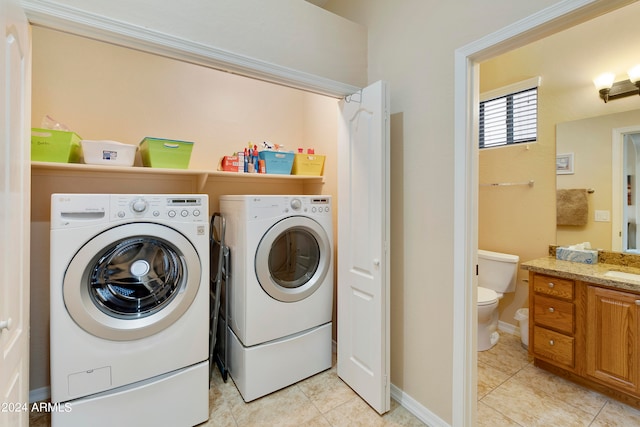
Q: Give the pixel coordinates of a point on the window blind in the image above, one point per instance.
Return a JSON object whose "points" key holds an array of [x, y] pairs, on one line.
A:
{"points": [[509, 119]]}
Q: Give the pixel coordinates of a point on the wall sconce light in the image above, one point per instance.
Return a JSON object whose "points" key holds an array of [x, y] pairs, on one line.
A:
{"points": [[609, 90]]}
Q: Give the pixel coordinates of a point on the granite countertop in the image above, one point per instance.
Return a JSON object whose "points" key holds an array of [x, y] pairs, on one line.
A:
{"points": [[593, 273]]}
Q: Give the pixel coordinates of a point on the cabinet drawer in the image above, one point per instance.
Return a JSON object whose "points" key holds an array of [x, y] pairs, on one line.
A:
{"points": [[553, 286], [553, 346], [554, 313]]}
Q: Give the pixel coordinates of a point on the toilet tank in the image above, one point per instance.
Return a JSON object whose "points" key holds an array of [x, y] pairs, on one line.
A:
{"points": [[497, 271]]}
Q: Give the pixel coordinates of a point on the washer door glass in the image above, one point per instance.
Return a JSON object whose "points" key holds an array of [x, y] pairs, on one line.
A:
{"points": [[293, 259], [136, 277], [132, 281]]}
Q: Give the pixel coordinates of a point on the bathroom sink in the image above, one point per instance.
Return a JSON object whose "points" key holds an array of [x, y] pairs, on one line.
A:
{"points": [[623, 275]]}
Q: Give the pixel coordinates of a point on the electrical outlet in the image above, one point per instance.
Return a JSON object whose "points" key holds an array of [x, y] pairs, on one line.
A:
{"points": [[603, 216]]}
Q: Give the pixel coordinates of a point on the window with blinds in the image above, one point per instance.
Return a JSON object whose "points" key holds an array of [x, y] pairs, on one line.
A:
{"points": [[509, 119]]}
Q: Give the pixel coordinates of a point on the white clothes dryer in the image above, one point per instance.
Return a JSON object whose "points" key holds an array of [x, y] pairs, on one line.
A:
{"points": [[281, 294], [129, 309]]}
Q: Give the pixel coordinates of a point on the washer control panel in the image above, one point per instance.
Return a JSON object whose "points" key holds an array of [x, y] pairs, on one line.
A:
{"points": [[189, 208], [307, 205]]}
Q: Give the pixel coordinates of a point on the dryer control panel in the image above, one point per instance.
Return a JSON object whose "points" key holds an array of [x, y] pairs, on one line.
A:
{"points": [[306, 204]]}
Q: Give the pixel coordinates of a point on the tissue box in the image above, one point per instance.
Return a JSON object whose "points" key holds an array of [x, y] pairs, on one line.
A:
{"points": [[586, 256]]}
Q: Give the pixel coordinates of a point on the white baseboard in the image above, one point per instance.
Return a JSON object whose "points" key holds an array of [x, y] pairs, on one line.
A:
{"points": [[410, 404], [413, 406], [39, 394], [422, 413], [509, 328]]}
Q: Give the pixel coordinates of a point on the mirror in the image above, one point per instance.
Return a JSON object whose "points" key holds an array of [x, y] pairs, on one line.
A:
{"points": [[602, 151], [585, 132]]}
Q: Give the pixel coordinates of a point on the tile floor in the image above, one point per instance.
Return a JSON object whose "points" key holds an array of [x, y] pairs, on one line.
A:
{"points": [[511, 392], [322, 400]]}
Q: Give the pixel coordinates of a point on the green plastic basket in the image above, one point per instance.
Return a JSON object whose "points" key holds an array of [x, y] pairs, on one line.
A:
{"points": [[49, 145], [165, 153]]}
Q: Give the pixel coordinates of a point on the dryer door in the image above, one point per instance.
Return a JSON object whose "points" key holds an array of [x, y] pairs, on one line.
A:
{"points": [[293, 258], [132, 281]]}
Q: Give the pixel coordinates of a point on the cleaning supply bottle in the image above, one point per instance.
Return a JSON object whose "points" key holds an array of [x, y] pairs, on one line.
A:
{"points": [[255, 158]]}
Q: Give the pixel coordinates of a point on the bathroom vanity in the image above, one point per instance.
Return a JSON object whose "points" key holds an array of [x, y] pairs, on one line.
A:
{"points": [[584, 322]]}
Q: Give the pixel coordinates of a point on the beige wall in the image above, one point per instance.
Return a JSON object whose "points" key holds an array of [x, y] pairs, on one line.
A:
{"points": [[290, 33], [103, 91]]}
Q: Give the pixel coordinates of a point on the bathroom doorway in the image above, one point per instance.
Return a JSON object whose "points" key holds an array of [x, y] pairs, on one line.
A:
{"points": [[549, 21]]}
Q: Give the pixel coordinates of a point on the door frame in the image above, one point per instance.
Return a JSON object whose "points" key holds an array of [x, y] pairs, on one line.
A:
{"points": [[617, 177], [553, 19]]}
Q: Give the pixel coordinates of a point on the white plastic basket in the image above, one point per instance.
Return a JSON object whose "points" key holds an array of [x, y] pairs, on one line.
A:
{"points": [[108, 153]]}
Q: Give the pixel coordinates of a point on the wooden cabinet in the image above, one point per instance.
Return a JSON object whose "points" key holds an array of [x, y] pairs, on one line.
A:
{"points": [[612, 327], [552, 319], [586, 332]]}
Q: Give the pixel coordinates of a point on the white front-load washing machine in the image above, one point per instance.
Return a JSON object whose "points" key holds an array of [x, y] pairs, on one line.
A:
{"points": [[281, 294], [129, 306]]}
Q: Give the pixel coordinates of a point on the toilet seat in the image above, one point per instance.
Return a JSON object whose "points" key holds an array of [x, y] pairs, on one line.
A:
{"points": [[486, 296]]}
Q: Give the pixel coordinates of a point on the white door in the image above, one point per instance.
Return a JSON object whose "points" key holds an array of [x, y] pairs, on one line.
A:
{"points": [[14, 215], [363, 242]]}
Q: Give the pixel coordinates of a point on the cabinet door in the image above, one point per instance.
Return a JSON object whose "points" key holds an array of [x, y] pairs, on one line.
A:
{"points": [[612, 338]]}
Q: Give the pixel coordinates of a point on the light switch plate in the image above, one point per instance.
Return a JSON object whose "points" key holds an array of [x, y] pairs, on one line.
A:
{"points": [[603, 216]]}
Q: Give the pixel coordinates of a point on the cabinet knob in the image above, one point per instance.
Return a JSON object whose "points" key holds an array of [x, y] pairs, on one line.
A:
{"points": [[638, 302], [552, 342], [551, 309], [551, 285]]}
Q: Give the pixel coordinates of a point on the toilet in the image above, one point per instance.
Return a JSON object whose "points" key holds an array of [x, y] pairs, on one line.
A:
{"points": [[497, 274]]}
